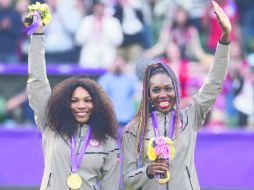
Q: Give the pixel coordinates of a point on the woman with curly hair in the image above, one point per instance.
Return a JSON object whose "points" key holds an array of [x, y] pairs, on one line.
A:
{"points": [[159, 143], [78, 127]]}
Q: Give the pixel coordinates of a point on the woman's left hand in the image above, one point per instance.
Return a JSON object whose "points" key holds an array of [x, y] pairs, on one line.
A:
{"points": [[224, 22]]}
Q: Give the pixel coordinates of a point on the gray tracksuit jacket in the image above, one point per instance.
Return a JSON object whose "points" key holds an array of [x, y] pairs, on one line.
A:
{"points": [[100, 163], [182, 168]]}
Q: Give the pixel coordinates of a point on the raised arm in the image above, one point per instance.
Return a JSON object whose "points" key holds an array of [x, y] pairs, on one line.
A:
{"points": [[37, 84], [205, 97]]}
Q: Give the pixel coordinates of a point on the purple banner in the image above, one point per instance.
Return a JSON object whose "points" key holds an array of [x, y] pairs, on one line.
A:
{"points": [[52, 69], [21, 157], [223, 160]]}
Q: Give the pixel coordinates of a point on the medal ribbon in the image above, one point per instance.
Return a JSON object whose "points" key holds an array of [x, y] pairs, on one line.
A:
{"points": [[76, 159], [157, 132], [35, 24], [172, 124]]}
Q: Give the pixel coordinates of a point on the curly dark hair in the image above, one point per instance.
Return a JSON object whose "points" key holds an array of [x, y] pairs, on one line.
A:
{"points": [[60, 118]]}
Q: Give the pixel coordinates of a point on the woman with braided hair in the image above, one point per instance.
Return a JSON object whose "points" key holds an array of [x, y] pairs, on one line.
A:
{"points": [[159, 143]]}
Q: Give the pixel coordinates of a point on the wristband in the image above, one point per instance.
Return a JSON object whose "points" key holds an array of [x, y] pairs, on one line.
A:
{"points": [[224, 43], [39, 33]]}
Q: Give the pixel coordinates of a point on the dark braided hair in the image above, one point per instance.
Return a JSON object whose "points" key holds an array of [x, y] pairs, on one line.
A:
{"points": [[143, 112]]}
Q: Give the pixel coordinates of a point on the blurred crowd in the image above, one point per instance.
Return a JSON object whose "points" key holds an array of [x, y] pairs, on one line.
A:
{"points": [[114, 34]]}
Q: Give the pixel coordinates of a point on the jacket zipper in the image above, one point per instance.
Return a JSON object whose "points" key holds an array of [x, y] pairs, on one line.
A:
{"points": [[189, 176], [165, 125], [49, 180], [165, 134]]}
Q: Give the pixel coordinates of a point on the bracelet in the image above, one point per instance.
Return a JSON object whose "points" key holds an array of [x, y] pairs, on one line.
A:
{"points": [[149, 176], [41, 33], [224, 43]]}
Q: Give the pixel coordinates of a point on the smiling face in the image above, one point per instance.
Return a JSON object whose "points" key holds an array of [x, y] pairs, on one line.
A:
{"points": [[81, 105], [162, 92]]}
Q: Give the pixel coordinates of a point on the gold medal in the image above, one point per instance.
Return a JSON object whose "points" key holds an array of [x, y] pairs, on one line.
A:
{"points": [[164, 178], [74, 181]]}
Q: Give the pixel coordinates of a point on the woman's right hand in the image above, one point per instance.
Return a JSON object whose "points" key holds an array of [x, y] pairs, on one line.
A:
{"points": [[40, 28], [157, 167]]}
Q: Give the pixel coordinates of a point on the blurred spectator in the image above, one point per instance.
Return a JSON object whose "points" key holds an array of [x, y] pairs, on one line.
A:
{"points": [[234, 84], [131, 17], [10, 32], [121, 88], [88, 5], [197, 11], [247, 27], [21, 8], [156, 14], [59, 34], [147, 27], [244, 6], [251, 97], [2, 109], [244, 101], [98, 35], [16, 110], [184, 35]]}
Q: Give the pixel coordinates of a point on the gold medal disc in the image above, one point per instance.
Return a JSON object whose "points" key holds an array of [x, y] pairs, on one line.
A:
{"points": [[74, 181], [164, 179]]}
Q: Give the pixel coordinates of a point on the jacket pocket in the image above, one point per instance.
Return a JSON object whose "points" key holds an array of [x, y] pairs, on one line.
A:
{"points": [[189, 177]]}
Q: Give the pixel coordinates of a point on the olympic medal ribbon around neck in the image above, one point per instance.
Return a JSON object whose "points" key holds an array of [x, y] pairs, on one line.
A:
{"points": [[74, 180]]}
